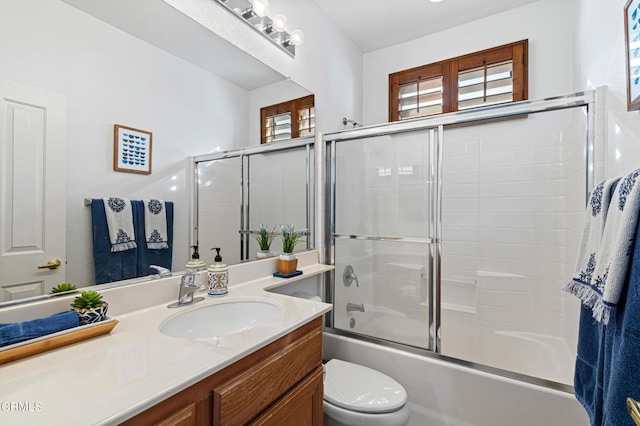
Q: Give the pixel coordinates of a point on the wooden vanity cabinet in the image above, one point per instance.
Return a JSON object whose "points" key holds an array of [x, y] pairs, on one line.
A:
{"points": [[280, 384]]}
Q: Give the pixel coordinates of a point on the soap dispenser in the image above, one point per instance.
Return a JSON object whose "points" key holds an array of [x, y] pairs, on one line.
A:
{"points": [[218, 276], [195, 264]]}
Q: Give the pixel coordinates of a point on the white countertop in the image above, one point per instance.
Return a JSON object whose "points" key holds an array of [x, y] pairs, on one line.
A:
{"points": [[111, 378]]}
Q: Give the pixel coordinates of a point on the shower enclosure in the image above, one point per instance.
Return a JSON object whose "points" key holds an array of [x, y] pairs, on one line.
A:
{"points": [[236, 191], [454, 235]]}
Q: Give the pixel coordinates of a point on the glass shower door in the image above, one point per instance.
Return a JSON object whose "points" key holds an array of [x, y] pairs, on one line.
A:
{"points": [[513, 197], [382, 237], [280, 192]]}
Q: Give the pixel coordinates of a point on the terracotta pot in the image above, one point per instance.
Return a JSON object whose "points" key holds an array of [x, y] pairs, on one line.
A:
{"points": [[287, 266]]}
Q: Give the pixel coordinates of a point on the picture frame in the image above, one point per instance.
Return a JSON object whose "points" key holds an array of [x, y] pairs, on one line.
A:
{"points": [[632, 53], [132, 149]]}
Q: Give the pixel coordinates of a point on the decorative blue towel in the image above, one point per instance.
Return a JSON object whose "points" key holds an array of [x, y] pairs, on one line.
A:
{"points": [[598, 281], [110, 266], [21, 331], [608, 354], [120, 223], [155, 224]]}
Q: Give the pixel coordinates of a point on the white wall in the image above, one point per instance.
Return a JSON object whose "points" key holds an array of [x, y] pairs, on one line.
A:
{"points": [[547, 24], [600, 61], [111, 77]]}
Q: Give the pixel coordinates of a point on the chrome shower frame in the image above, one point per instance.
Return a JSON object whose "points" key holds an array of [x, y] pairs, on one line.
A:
{"points": [[434, 125]]}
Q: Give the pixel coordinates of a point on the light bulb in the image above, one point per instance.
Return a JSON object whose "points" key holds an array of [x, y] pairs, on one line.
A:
{"points": [[296, 38], [279, 23], [261, 7]]}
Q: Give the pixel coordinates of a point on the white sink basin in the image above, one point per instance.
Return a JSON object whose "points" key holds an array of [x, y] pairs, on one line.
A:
{"points": [[220, 319]]}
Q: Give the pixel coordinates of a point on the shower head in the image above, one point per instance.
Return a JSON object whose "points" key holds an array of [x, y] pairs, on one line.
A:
{"points": [[346, 120]]}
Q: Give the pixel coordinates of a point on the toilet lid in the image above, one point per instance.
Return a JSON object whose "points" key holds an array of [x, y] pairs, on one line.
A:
{"points": [[361, 389]]}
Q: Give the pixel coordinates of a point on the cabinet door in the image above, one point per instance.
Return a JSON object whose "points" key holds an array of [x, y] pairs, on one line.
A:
{"points": [[184, 417], [302, 406], [248, 394]]}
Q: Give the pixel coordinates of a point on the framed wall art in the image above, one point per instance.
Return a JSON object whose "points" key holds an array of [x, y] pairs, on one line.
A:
{"points": [[632, 46], [131, 150]]}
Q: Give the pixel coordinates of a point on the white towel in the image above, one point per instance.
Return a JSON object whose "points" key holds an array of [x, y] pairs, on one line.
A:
{"points": [[155, 224], [600, 281], [120, 224]]}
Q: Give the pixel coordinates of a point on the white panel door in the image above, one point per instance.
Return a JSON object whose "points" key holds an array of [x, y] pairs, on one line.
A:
{"points": [[33, 127]]}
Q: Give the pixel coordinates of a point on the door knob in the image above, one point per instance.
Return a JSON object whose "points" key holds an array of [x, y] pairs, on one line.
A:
{"points": [[51, 264]]}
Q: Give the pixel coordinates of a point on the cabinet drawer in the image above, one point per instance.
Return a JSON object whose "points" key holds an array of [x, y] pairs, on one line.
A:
{"points": [[245, 396]]}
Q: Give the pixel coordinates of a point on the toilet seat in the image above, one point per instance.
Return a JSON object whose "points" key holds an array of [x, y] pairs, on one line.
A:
{"points": [[361, 389]]}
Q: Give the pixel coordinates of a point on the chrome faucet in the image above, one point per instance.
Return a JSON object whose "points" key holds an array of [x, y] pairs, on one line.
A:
{"points": [[355, 307], [162, 272], [187, 288]]}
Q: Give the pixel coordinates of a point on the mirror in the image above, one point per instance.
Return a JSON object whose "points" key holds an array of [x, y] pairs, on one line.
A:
{"points": [[195, 92], [271, 186]]}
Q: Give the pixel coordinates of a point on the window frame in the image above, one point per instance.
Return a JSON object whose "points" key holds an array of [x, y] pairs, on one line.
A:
{"points": [[292, 108], [517, 52]]}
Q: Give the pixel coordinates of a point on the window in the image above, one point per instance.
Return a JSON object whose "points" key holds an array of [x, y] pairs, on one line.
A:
{"points": [[493, 76], [291, 119]]}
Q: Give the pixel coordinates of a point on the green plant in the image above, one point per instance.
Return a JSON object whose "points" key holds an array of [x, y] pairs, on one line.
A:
{"points": [[88, 300], [264, 237], [63, 288], [291, 238]]}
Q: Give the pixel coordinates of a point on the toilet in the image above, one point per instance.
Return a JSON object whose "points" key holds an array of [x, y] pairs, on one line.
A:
{"points": [[355, 395]]}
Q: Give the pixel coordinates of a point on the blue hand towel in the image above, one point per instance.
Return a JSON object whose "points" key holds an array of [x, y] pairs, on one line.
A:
{"points": [[609, 354], [110, 266], [21, 331]]}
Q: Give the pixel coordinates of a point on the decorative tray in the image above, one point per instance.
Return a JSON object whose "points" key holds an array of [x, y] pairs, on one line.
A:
{"points": [[55, 340]]}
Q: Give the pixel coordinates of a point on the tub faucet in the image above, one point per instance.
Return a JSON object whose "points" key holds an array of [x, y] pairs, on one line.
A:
{"points": [[187, 288], [162, 272], [355, 307]]}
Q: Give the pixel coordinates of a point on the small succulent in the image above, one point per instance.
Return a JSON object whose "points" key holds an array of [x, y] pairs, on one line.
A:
{"points": [[88, 300], [63, 288]]}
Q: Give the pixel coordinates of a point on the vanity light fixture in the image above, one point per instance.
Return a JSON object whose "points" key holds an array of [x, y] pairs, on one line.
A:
{"points": [[436, 1], [255, 14]]}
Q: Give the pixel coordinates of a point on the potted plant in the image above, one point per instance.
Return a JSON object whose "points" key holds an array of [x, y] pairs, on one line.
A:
{"points": [[264, 237], [90, 307], [62, 288], [287, 263]]}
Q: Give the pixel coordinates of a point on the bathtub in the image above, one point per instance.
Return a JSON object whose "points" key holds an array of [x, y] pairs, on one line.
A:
{"points": [[442, 393]]}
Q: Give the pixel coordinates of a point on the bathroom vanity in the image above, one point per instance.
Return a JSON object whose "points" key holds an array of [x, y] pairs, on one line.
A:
{"points": [[266, 373], [280, 384]]}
